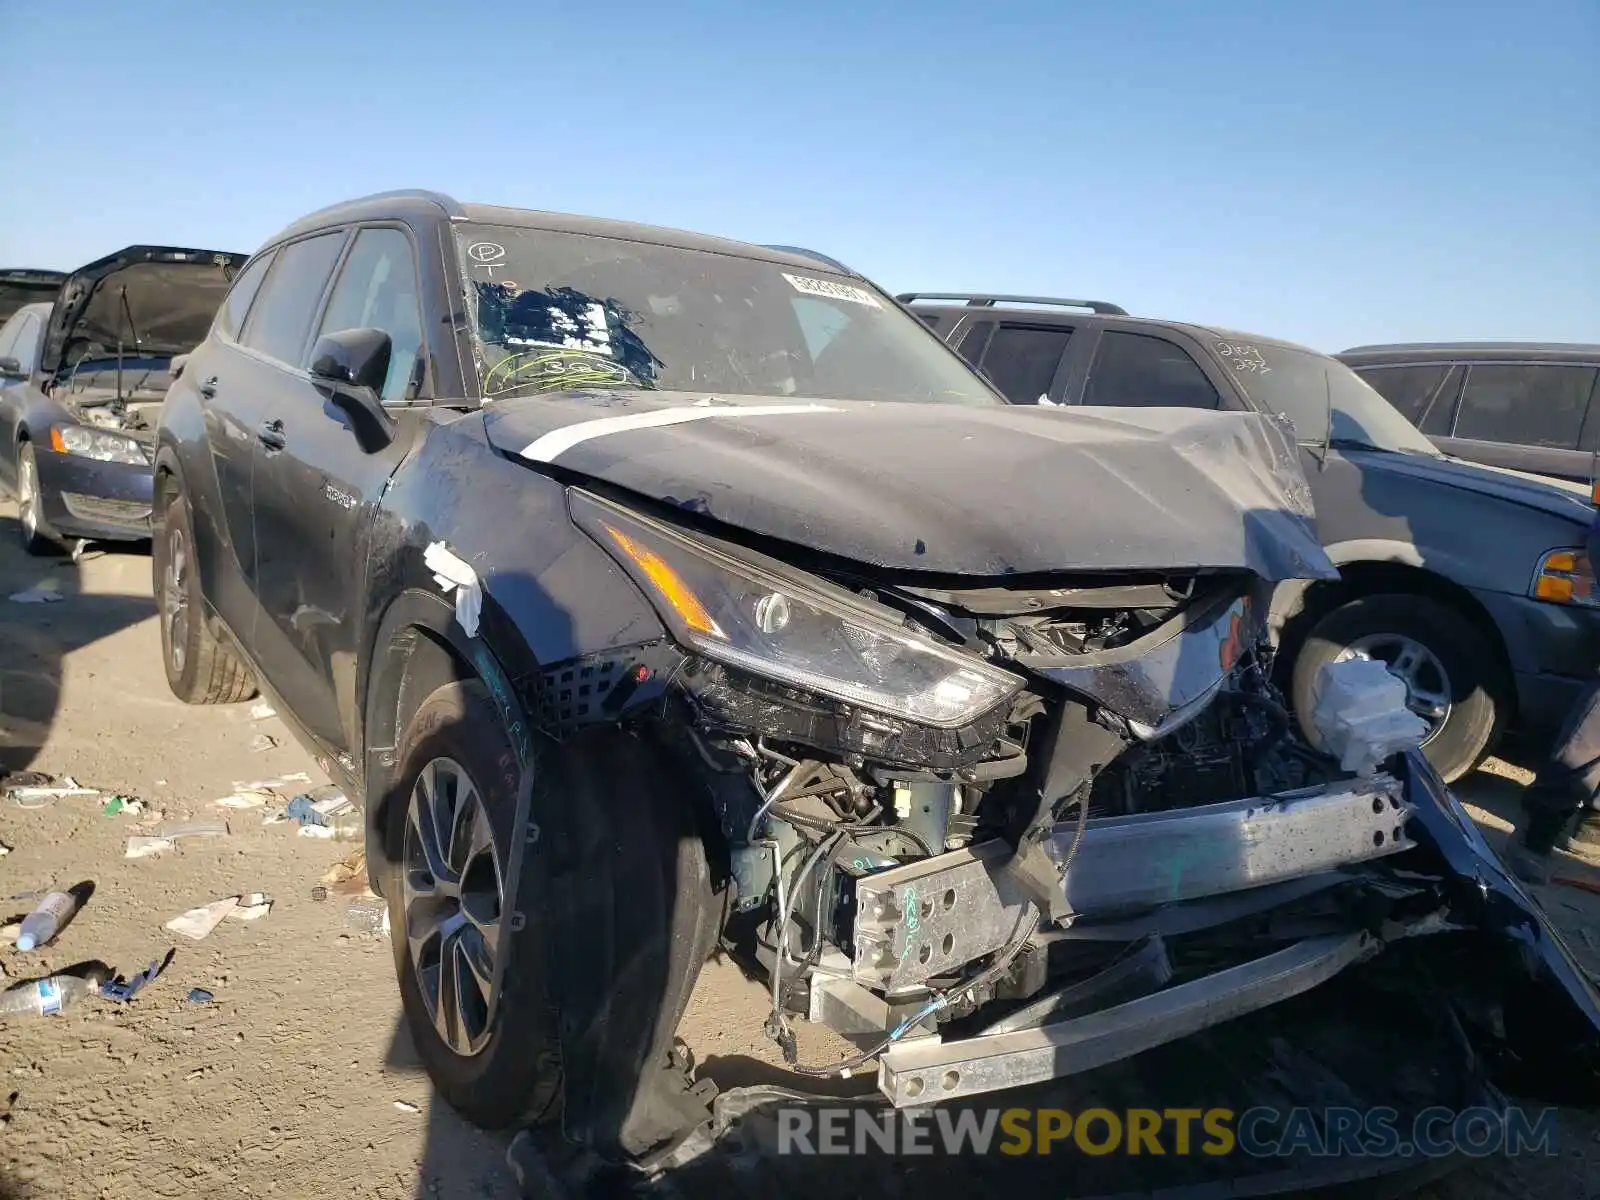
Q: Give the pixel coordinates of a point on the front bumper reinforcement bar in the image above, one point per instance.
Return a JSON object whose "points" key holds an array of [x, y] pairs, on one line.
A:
{"points": [[927, 1070], [931, 917]]}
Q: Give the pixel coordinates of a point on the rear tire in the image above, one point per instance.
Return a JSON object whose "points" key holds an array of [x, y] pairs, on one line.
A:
{"points": [[37, 538], [1458, 653], [200, 668]]}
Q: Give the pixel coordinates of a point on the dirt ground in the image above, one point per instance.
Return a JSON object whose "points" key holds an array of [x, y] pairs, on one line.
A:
{"points": [[297, 1080]]}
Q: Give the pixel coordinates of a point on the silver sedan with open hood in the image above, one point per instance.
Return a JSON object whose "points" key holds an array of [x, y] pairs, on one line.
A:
{"points": [[81, 378]]}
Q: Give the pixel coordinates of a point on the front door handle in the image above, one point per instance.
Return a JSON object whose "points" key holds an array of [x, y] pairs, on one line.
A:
{"points": [[270, 434], [208, 389]]}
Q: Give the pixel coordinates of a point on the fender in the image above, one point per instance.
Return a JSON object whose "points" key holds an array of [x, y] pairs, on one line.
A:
{"points": [[391, 686]]}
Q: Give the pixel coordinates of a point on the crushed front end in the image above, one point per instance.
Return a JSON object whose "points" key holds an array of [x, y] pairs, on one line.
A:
{"points": [[997, 835]]}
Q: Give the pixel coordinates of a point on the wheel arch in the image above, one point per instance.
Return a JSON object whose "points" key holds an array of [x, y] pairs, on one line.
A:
{"points": [[419, 647]]}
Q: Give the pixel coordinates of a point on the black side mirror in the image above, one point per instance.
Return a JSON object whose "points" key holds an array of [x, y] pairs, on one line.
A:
{"points": [[350, 367], [11, 368]]}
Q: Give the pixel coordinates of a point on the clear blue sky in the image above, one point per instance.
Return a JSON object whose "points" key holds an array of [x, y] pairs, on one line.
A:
{"points": [[1331, 173]]}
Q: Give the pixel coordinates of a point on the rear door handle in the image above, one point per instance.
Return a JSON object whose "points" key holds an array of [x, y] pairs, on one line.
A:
{"points": [[208, 389], [270, 434]]}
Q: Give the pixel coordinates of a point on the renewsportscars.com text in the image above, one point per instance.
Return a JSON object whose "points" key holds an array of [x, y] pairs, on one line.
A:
{"points": [[1258, 1132]]}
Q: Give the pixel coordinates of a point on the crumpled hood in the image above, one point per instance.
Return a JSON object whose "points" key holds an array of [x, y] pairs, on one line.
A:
{"points": [[155, 300], [947, 489], [1557, 498]]}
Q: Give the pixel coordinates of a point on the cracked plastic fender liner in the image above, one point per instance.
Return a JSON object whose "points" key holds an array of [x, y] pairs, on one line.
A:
{"points": [[548, 446], [455, 574]]}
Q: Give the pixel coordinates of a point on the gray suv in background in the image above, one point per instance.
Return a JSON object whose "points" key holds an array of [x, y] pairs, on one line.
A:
{"points": [[1528, 406], [1465, 580]]}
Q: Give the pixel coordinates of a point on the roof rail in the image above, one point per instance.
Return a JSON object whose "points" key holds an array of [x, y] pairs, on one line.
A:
{"points": [[989, 301], [820, 257], [447, 203]]}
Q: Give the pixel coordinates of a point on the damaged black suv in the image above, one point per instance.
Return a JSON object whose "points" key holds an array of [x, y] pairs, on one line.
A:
{"points": [[658, 591]]}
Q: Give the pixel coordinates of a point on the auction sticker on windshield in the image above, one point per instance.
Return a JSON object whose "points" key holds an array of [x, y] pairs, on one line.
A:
{"points": [[832, 291]]}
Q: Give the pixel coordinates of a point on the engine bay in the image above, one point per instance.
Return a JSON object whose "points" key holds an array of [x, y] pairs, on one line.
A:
{"points": [[895, 881]]}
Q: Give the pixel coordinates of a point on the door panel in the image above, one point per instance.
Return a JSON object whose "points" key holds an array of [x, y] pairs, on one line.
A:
{"points": [[314, 498]]}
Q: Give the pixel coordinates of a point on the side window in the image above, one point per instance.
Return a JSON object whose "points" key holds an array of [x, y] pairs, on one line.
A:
{"points": [[281, 317], [230, 318], [1423, 393], [377, 289], [1135, 370], [1525, 405], [1021, 361], [26, 350], [975, 341], [9, 336]]}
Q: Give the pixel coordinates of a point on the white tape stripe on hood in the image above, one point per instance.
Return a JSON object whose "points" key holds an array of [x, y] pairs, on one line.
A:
{"points": [[548, 446]]}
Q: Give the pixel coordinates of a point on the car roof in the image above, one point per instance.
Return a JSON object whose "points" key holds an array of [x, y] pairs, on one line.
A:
{"points": [[425, 204], [1051, 315], [1425, 352]]}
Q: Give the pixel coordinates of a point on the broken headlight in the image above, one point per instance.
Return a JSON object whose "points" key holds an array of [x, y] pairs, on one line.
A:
{"points": [[96, 444], [796, 629]]}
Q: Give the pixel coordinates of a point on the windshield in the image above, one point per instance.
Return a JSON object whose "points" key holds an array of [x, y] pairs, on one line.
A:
{"points": [[553, 311], [1305, 387]]}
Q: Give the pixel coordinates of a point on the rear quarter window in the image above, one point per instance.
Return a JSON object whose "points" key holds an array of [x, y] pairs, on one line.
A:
{"points": [[1525, 404]]}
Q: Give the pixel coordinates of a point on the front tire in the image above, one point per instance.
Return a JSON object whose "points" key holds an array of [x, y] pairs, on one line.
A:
{"points": [[1434, 649], [200, 668], [494, 1056], [37, 538]]}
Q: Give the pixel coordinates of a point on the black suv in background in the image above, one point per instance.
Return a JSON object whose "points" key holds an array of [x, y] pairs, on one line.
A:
{"points": [[1529, 406], [1467, 581]]}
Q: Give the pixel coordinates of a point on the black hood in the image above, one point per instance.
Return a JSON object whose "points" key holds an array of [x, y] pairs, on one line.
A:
{"points": [[1545, 495], [156, 301], [946, 489], [26, 285]]}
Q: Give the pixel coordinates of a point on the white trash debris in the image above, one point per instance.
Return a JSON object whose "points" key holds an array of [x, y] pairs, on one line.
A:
{"points": [[260, 712], [198, 922], [46, 591], [251, 907], [404, 1107], [271, 785], [253, 798], [316, 831], [455, 574], [262, 742], [144, 847]]}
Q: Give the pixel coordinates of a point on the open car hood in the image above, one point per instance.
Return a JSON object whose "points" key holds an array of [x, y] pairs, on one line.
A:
{"points": [[154, 300], [946, 489], [26, 285]]}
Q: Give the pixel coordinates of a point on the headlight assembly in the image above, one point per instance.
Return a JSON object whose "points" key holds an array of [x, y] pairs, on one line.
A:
{"points": [[783, 627], [96, 444], [1565, 577]]}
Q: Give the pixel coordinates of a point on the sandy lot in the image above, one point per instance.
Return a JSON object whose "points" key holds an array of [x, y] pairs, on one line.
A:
{"points": [[296, 1080]]}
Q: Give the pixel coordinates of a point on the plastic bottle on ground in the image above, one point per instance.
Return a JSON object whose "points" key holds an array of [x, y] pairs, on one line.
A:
{"points": [[41, 926], [43, 997]]}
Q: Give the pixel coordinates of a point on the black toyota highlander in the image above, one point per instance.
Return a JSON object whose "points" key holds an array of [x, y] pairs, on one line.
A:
{"points": [[656, 592]]}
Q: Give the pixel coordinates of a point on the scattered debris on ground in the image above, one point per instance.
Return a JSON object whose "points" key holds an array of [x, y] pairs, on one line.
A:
{"points": [[198, 923], [46, 591], [261, 711]]}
